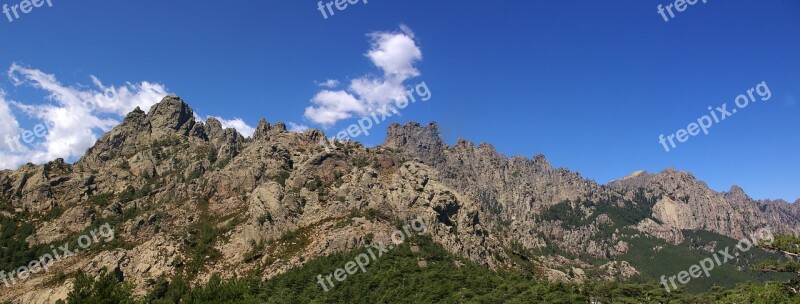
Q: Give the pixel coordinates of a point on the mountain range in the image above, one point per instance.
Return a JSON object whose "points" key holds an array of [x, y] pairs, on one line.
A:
{"points": [[186, 197]]}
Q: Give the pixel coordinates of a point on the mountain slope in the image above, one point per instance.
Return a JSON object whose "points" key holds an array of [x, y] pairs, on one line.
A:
{"points": [[189, 198]]}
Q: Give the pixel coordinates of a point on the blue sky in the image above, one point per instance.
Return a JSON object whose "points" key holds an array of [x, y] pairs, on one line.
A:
{"points": [[589, 84]]}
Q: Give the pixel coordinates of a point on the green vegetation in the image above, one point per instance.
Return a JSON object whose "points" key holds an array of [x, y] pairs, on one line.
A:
{"points": [[6, 206], [105, 290], [54, 213], [101, 200], [629, 213], [777, 266], [621, 212], [397, 277], [370, 214], [211, 154], [195, 174], [202, 234], [287, 236], [281, 178], [293, 242], [266, 217], [648, 256], [222, 163], [788, 245], [127, 195], [362, 161], [14, 251], [130, 193], [571, 216], [315, 184], [166, 142], [256, 252]]}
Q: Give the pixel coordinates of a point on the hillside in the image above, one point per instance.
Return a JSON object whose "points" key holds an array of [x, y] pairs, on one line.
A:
{"points": [[189, 199]]}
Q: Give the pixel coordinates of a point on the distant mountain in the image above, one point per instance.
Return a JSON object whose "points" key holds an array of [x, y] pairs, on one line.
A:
{"points": [[190, 198]]}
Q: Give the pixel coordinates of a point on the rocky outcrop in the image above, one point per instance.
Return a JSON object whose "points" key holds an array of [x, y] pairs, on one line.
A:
{"points": [[171, 114], [262, 131], [192, 198], [689, 204]]}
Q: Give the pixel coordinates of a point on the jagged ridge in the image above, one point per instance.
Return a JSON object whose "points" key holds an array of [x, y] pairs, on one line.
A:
{"points": [[278, 198]]}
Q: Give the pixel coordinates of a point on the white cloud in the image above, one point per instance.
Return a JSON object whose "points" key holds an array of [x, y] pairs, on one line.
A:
{"points": [[103, 99], [333, 106], [378, 92], [9, 128], [73, 115], [121, 100], [395, 53], [8, 123], [297, 127], [238, 124], [330, 83]]}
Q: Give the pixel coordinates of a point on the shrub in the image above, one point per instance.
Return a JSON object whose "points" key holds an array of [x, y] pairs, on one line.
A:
{"points": [[127, 195], [281, 178], [106, 289]]}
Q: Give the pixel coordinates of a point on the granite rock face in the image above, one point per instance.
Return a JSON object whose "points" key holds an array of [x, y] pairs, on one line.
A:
{"points": [[166, 183], [688, 204]]}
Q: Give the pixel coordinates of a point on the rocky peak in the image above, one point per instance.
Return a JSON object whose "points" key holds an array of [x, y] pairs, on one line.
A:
{"points": [[172, 113], [280, 126], [669, 179], [412, 133], [421, 142], [634, 175], [671, 175], [464, 144], [276, 130], [135, 122], [214, 128], [136, 115], [169, 117], [262, 131], [540, 161], [56, 168], [737, 194], [634, 180], [314, 135]]}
